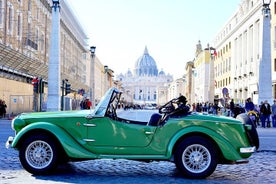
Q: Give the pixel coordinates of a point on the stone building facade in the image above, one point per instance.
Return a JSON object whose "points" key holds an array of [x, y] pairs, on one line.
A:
{"points": [[25, 28], [239, 52]]}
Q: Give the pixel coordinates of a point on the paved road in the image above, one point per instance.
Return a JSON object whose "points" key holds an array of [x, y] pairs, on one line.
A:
{"points": [[260, 169]]}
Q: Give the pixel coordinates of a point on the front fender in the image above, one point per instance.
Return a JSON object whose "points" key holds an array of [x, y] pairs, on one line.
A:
{"points": [[228, 150], [72, 148]]}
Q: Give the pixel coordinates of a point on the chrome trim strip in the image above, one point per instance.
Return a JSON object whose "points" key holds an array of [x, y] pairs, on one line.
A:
{"points": [[89, 140], [149, 133], [89, 125]]}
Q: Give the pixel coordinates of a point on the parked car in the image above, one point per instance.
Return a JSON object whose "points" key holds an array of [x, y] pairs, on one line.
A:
{"points": [[195, 142]]}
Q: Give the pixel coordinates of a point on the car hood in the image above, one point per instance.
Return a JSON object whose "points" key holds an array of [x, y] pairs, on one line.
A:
{"points": [[79, 113]]}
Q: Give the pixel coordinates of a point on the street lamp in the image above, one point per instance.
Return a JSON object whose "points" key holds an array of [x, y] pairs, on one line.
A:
{"points": [[266, 9], [93, 50], [105, 69], [56, 4], [92, 76], [265, 76]]}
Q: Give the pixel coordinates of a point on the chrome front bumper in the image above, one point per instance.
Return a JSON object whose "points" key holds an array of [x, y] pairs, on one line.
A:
{"points": [[9, 142]]}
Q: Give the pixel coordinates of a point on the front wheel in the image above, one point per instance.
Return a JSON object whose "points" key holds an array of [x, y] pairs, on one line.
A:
{"points": [[38, 154], [196, 157]]}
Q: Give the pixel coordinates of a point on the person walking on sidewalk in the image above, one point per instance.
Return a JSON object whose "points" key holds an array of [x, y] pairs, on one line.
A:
{"points": [[265, 111], [3, 108], [273, 111]]}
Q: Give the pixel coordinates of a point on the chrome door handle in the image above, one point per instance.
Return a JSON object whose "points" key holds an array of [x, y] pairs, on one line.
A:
{"points": [[89, 125], [149, 133]]}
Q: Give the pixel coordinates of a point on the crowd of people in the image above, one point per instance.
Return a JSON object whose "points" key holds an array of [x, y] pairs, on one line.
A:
{"points": [[211, 108], [3, 109], [264, 114]]}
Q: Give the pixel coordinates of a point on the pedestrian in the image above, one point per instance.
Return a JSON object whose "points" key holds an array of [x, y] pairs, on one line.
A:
{"points": [[249, 105], [88, 104], [265, 111], [273, 113], [4, 109], [216, 108], [193, 107], [1, 108], [232, 107], [83, 104]]}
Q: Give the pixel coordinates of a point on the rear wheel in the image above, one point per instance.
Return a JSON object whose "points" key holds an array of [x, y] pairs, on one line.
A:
{"points": [[38, 154], [196, 157]]}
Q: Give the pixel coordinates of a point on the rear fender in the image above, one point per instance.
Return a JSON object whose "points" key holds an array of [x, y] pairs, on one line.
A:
{"points": [[228, 151], [72, 148]]}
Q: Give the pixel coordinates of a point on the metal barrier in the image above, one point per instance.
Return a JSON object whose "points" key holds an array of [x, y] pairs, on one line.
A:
{"points": [[25, 103], [71, 104], [20, 103]]}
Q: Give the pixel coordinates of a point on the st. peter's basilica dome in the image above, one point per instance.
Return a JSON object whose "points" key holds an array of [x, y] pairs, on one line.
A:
{"points": [[145, 65]]}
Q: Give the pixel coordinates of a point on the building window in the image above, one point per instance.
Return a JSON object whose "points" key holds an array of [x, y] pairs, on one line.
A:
{"points": [[36, 35], [274, 65], [37, 14], [274, 7], [10, 15], [1, 12], [29, 30], [274, 91], [19, 25], [229, 63], [29, 5]]}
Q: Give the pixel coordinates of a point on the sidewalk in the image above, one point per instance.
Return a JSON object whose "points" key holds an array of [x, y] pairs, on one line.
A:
{"points": [[267, 138]]}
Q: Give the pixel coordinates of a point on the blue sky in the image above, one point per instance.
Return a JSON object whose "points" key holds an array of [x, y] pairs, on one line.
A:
{"points": [[120, 29]]}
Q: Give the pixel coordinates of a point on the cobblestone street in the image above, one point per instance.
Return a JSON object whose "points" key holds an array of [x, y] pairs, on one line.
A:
{"points": [[260, 169]]}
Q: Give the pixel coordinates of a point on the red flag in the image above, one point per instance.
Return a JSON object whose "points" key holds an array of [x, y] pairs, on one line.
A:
{"points": [[215, 53]]}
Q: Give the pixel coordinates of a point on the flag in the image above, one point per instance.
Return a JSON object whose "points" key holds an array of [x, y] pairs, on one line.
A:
{"points": [[215, 53]]}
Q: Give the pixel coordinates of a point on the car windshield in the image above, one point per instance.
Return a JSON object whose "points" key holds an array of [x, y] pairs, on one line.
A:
{"points": [[101, 108]]}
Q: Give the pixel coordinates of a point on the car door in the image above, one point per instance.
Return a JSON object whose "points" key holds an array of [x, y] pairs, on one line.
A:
{"points": [[106, 132]]}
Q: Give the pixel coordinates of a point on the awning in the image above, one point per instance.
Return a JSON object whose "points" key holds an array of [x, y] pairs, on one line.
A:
{"points": [[15, 62], [18, 63]]}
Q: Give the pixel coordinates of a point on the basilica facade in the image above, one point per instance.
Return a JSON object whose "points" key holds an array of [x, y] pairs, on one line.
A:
{"points": [[145, 84]]}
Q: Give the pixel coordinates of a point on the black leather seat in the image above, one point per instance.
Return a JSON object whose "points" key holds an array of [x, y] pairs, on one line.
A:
{"points": [[154, 119]]}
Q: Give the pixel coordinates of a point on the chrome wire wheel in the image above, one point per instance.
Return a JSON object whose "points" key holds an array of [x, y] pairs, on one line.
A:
{"points": [[196, 158], [39, 154]]}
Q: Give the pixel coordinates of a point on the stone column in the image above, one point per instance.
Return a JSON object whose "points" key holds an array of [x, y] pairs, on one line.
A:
{"points": [[265, 76], [53, 100]]}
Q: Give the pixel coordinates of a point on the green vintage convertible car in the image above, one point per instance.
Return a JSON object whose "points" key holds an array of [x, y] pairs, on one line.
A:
{"points": [[196, 143]]}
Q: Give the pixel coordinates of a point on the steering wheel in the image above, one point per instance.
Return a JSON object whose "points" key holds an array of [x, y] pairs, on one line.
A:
{"points": [[167, 108]]}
